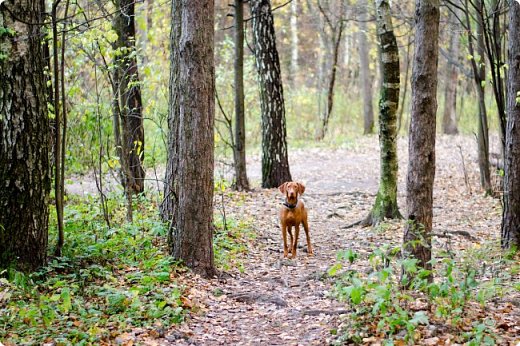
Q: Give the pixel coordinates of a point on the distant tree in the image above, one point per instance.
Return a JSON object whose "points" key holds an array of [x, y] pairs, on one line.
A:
{"points": [[510, 235], [239, 144], [294, 42], [449, 118], [188, 192], [129, 97], [275, 164], [364, 71], [479, 76], [336, 27], [421, 148], [24, 137], [385, 205]]}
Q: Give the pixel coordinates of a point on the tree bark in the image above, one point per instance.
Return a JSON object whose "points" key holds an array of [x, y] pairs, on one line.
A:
{"points": [[385, 205], [479, 76], [510, 234], [239, 148], [332, 82], [449, 118], [294, 42], [366, 80], [188, 195], [275, 163], [421, 148], [131, 105], [24, 137]]}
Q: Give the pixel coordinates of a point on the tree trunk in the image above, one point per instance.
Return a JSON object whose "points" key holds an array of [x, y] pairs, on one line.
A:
{"points": [[131, 105], [421, 148], [239, 148], [24, 137], [405, 87], [149, 15], [275, 164], [510, 235], [385, 205], [366, 80], [479, 75], [496, 56], [483, 128], [449, 118], [188, 194], [294, 42], [337, 32]]}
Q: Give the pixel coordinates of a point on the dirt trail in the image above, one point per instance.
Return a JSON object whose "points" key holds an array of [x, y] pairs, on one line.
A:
{"points": [[279, 301]]}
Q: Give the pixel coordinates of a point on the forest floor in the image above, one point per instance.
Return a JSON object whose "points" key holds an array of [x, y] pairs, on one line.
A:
{"points": [[270, 300]]}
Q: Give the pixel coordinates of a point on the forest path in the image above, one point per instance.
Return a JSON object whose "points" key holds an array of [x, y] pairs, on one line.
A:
{"points": [[276, 301]]}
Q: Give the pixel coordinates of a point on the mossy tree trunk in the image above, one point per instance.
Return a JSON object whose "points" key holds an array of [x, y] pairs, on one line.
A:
{"points": [[24, 137], [510, 235], [188, 192], [421, 148], [385, 205], [275, 163]]}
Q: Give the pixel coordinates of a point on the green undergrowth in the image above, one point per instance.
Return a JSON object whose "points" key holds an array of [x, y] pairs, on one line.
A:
{"points": [[454, 306], [231, 243], [108, 280]]}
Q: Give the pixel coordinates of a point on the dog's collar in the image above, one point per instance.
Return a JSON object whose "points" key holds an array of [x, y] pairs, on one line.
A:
{"points": [[289, 206]]}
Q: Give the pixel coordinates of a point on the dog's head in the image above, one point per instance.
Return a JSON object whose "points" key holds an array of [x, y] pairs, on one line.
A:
{"points": [[291, 190]]}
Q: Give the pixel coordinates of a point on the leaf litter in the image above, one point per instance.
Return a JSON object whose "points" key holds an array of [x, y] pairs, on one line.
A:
{"points": [[277, 301]]}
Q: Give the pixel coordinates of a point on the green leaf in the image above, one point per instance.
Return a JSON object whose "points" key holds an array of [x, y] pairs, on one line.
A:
{"points": [[67, 302], [420, 317], [356, 295], [334, 269]]}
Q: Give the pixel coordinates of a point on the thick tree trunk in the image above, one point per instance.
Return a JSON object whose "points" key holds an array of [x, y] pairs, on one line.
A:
{"points": [[386, 201], [510, 235], [131, 105], [239, 149], [421, 148], [294, 42], [24, 137], [366, 79], [188, 194], [275, 164], [449, 118]]}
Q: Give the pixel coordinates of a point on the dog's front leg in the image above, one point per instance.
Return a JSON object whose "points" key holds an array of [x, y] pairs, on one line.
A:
{"points": [[284, 235], [295, 243], [290, 245]]}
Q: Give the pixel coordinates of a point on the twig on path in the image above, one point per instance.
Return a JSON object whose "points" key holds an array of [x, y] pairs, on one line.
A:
{"points": [[325, 312], [466, 180], [449, 234], [352, 224]]}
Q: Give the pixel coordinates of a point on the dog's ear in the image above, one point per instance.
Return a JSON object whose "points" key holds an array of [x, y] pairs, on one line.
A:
{"points": [[301, 188], [283, 188]]}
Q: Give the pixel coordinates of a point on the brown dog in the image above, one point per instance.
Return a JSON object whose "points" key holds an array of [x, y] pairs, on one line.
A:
{"points": [[293, 213]]}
